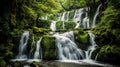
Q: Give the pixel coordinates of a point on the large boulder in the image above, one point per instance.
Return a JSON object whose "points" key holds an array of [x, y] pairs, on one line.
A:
{"points": [[82, 39], [49, 49]]}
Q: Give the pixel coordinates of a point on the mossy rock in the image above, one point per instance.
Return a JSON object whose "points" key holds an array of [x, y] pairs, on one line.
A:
{"points": [[17, 64], [82, 39], [34, 64], [49, 49], [40, 30], [59, 25], [69, 25], [109, 54]]}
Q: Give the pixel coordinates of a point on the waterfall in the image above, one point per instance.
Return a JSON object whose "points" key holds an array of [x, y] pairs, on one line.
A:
{"points": [[77, 25], [95, 16], [38, 52], [23, 45], [63, 16], [67, 49], [53, 25], [77, 15], [86, 22], [67, 16], [92, 46]]}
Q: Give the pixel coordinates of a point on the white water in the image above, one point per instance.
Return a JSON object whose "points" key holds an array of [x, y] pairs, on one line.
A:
{"points": [[86, 22], [67, 16], [23, 45], [77, 25], [67, 49], [92, 46], [38, 52], [63, 17], [77, 15], [95, 16], [53, 25]]}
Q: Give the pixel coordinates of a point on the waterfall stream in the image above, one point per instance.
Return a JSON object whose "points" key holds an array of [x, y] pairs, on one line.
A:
{"points": [[23, 45], [38, 52], [67, 49], [95, 16], [53, 25]]}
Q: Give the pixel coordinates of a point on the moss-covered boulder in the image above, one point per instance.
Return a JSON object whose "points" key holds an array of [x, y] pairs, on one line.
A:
{"points": [[17, 64], [70, 25], [49, 49], [59, 25], [110, 54], [82, 39], [34, 64]]}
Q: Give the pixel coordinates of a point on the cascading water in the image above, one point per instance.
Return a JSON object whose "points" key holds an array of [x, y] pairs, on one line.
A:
{"points": [[38, 52], [53, 25], [67, 16], [86, 22], [23, 45], [77, 15], [67, 49], [92, 46], [64, 17], [95, 16]]}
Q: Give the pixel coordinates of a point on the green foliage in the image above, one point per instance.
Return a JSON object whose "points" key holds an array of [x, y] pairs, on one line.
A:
{"points": [[2, 62], [29, 12], [110, 54], [43, 24], [110, 18], [72, 4]]}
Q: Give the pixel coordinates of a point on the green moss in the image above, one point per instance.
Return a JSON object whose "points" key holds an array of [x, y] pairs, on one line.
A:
{"points": [[34, 64], [69, 25], [17, 64], [49, 48], [40, 30], [110, 54], [59, 25]]}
